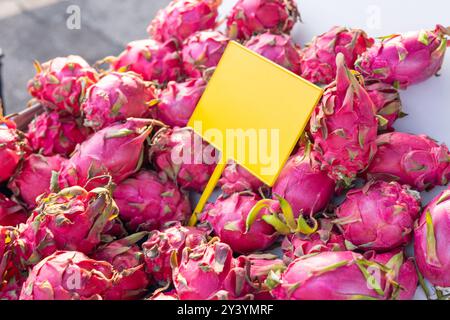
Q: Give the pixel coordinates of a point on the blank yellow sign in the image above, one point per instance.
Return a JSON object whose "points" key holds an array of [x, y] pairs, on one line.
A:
{"points": [[253, 111]]}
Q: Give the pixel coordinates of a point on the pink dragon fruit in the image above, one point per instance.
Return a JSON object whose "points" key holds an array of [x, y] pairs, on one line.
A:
{"points": [[34, 177], [237, 179], [410, 159], [177, 101], [260, 266], [278, 48], [153, 60], [117, 150], [209, 272], [170, 295], [257, 16], [181, 18], [11, 213], [13, 147], [202, 51], [388, 105], [325, 239], [405, 59], [73, 219], [343, 275], [11, 279], [161, 245], [431, 241], [378, 216], [318, 59], [404, 273], [115, 97], [183, 157], [228, 218], [344, 127], [124, 253], [71, 275], [307, 189], [147, 201], [60, 84], [52, 133]]}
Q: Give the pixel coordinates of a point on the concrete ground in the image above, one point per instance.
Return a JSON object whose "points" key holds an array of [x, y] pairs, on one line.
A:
{"points": [[37, 30]]}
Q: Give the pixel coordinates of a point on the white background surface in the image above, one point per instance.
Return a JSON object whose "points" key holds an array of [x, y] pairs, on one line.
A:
{"points": [[427, 104]]}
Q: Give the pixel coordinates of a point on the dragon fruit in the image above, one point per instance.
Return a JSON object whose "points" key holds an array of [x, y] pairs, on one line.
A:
{"points": [[378, 216], [404, 272], [11, 213], [307, 189], [410, 159], [177, 101], [161, 245], [260, 266], [344, 127], [60, 84], [72, 219], [183, 157], [388, 105], [181, 18], [209, 272], [13, 147], [115, 97], [202, 51], [318, 59], [11, 279], [431, 241], [71, 275], [228, 217], [117, 150], [257, 16], [325, 239], [405, 59], [342, 275], [278, 48], [34, 177], [237, 179], [170, 295], [147, 201], [153, 60], [124, 253], [52, 133]]}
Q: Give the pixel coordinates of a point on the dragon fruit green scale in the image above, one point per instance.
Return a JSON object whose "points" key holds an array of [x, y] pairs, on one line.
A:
{"points": [[344, 127], [405, 59]]}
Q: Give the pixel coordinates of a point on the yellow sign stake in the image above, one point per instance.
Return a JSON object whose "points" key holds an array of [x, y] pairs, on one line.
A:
{"points": [[253, 111]]}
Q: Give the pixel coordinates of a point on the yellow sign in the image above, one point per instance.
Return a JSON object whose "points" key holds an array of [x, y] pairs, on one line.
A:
{"points": [[253, 111]]}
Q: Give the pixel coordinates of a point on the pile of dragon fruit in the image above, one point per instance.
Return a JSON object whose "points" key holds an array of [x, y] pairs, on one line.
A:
{"points": [[94, 206]]}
